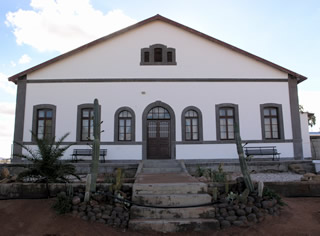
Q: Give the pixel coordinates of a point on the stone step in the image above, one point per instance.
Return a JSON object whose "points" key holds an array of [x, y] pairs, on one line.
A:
{"points": [[161, 163], [172, 199], [170, 188], [158, 170], [174, 225], [137, 212]]}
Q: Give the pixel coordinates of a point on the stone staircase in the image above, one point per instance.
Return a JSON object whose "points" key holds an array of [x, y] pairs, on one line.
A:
{"points": [[167, 184]]}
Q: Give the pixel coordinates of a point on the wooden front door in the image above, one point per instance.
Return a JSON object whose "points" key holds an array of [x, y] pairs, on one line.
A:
{"points": [[158, 134], [158, 139]]}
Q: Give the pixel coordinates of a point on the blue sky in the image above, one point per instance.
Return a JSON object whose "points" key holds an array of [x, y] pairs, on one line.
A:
{"points": [[285, 32]]}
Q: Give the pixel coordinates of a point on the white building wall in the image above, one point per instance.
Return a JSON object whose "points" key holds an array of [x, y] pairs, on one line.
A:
{"points": [[306, 145], [196, 57], [204, 95], [226, 151]]}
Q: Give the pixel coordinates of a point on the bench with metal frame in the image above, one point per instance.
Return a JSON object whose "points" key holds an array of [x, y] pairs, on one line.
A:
{"points": [[263, 151], [87, 152]]}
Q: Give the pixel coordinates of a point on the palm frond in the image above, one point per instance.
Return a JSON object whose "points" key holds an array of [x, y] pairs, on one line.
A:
{"points": [[46, 160]]}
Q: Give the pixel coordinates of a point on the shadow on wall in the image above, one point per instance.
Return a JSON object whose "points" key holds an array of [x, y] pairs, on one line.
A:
{"points": [[315, 147]]}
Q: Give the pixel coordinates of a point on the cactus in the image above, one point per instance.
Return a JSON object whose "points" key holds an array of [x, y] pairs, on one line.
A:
{"points": [[88, 187], [118, 181], [260, 188], [215, 192], [243, 197], [242, 160], [96, 145], [70, 190], [226, 186]]}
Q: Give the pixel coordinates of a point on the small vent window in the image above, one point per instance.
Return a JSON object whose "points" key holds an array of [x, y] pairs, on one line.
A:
{"points": [[158, 54], [169, 56], [146, 56]]}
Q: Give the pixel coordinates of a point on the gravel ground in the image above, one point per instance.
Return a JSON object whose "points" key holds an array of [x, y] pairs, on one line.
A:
{"points": [[271, 177], [276, 177]]}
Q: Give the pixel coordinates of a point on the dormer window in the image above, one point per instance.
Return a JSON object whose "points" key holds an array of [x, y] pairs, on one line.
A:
{"points": [[158, 54], [146, 56]]}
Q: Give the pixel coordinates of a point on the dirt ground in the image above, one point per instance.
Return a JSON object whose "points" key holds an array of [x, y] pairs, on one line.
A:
{"points": [[35, 217]]}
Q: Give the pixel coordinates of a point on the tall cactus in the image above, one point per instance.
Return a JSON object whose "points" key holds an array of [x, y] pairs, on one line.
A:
{"points": [[242, 160], [96, 145]]}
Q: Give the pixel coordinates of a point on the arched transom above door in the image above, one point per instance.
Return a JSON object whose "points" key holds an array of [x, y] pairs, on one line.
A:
{"points": [[158, 113]]}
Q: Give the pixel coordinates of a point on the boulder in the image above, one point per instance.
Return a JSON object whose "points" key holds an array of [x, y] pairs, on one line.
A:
{"points": [[76, 200], [4, 174], [225, 224]]}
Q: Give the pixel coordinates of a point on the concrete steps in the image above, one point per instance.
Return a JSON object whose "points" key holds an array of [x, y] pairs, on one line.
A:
{"points": [[172, 199], [170, 188], [172, 213], [149, 170], [167, 184], [174, 225]]}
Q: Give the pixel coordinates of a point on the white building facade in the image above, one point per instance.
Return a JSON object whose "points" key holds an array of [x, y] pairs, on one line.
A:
{"points": [[166, 92]]}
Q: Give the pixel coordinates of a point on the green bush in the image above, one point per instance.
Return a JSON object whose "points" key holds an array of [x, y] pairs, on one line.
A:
{"points": [[269, 193], [63, 204]]}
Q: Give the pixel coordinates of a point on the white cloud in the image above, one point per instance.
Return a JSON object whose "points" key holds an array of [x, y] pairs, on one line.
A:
{"points": [[7, 86], [6, 128], [61, 25], [7, 108], [310, 102], [13, 64], [24, 59]]}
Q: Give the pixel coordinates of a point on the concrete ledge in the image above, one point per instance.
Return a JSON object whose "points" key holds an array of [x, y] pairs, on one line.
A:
{"points": [[129, 167], [295, 189], [35, 190], [258, 165]]}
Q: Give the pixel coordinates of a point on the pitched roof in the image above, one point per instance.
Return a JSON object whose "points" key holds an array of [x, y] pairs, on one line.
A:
{"points": [[15, 77]]}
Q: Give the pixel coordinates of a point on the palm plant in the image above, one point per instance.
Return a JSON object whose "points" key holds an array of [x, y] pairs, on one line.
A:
{"points": [[46, 164]]}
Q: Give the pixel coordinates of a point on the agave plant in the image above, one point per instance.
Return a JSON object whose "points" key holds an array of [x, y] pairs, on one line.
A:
{"points": [[46, 164]]}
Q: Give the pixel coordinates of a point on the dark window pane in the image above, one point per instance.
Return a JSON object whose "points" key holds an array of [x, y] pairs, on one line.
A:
{"points": [[146, 56], [169, 56], [158, 54]]}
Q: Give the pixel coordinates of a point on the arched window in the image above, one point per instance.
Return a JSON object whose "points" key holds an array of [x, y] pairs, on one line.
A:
{"points": [[158, 113], [191, 121], [271, 120], [85, 122], [44, 118], [227, 116], [124, 125]]}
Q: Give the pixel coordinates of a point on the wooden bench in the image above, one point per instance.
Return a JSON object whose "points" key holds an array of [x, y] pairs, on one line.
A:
{"points": [[263, 151], [87, 152]]}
